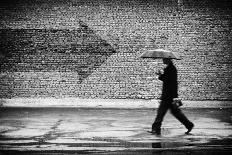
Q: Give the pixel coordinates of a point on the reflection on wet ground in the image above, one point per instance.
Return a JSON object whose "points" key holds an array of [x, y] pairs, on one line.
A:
{"points": [[110, 130]]}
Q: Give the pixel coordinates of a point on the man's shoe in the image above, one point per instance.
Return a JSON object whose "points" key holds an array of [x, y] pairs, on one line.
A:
{"points": [[189, 128]]}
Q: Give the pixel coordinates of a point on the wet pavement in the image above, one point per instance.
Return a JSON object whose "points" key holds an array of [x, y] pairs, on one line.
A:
{"points": [[112, 131]]}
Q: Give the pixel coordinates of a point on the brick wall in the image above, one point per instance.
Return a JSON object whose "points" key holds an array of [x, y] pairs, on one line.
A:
{"points": [[90, 49]]}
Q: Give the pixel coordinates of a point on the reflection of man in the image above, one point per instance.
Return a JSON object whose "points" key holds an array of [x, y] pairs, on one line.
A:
{"points": [[169, 92]]}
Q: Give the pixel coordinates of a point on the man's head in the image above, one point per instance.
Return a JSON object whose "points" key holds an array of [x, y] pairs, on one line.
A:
{"points": [[167, 61]]}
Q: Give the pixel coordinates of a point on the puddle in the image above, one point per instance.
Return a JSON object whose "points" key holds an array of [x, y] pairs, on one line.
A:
{"points": [[107, 134]]}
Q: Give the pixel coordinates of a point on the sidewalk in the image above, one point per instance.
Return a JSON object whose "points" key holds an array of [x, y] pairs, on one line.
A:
{"points": [[111, 131]]}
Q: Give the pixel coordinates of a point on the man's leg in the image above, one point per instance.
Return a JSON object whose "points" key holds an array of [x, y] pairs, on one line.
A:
{"points": [[162, 110], [182, 118]]}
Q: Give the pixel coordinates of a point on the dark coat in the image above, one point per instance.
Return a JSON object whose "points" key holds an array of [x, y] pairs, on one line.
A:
{"points": [[170, 86]]}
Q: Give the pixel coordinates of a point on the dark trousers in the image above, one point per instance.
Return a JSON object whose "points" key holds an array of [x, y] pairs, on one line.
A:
{"points": [[162, 110]]}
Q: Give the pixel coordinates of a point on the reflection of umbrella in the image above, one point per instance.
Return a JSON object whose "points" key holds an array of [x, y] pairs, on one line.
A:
{"points": [[160, 53]]}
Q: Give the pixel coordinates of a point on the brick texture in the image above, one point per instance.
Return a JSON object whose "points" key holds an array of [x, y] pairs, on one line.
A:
{"points": [[90, 49]]}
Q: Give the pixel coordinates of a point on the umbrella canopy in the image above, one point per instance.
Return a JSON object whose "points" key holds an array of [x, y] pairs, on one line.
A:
{"points": [[160, 53]]}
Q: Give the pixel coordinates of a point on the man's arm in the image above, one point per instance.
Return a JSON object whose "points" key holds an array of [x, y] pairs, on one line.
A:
{"points": [[162, 76]]}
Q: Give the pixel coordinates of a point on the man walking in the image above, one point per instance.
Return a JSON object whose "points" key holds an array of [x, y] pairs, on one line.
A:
{"points": [[169, 92]]}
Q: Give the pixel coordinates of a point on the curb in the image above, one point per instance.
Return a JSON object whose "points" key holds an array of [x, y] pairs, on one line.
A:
{"points": [[104, 103]]}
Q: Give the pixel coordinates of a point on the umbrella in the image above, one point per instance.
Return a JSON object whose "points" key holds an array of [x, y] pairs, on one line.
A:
{"points": [[160, 53]]}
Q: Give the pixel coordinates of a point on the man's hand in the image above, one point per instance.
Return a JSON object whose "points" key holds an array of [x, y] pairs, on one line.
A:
{"points": [[158, 72]]}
